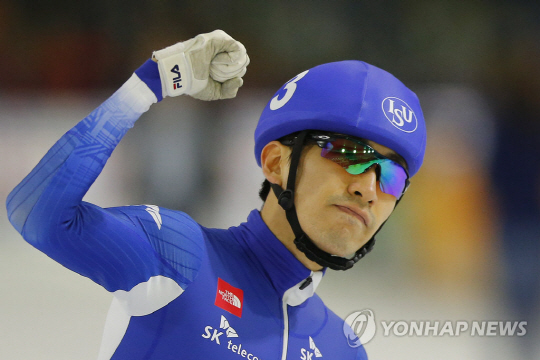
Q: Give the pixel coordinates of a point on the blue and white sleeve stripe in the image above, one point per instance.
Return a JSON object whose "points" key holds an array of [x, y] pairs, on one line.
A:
{"points": [[47, 208]]}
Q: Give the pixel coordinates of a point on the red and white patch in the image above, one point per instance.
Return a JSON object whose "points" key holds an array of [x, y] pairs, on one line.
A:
{"points": [[229, 298]]}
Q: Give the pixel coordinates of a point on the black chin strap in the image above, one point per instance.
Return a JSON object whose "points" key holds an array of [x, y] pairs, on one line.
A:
{"points": [[302, 241]]}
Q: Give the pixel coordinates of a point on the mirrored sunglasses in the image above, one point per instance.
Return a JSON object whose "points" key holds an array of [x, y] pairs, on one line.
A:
{"points": [[356, 157]]}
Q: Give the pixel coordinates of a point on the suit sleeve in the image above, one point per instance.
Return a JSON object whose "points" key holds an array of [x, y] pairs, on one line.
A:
{"points": [[47, 207]]}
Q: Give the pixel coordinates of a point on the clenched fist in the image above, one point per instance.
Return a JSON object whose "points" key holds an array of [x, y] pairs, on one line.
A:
{"points": [[208, 67]]}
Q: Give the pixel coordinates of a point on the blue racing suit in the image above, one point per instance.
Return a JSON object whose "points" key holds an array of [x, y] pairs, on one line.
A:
{"points": [[181, 291]]}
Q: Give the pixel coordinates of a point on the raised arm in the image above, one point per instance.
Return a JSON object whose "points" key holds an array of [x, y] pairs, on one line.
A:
{"points": [[47, 207]]}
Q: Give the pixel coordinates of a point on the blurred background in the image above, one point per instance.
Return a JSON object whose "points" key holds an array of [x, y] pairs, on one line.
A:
{"points": [[463, 245]]}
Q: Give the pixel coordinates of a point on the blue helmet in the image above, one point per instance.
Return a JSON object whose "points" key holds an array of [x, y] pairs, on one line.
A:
{"points": [[347, 97], [352, 98]]}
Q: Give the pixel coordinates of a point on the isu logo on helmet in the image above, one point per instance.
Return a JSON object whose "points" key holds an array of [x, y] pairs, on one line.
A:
{"points": [[400, 114]]}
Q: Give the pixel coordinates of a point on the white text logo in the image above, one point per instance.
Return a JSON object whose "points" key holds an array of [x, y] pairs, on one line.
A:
{"points": [[449, 328], [307, 354], [214, 334], [359, 328], [230, 298], [400, 114]]}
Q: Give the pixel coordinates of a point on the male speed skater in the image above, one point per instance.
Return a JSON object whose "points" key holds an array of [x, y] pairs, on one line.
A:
{"points": [[337, 145]]}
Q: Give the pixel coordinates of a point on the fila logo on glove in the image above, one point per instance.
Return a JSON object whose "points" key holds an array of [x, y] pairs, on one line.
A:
{"points": [[400, 114], [178, 78]]}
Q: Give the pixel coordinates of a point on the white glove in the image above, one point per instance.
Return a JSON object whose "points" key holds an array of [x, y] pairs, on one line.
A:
{"points": [[208, 67]]}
